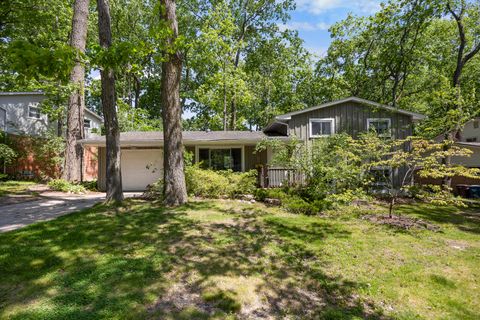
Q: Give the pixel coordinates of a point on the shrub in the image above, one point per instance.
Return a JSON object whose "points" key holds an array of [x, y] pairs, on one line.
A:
{"points": [[214, 184], [205, 183], [90, 185], [65, 186], [296, 204]]}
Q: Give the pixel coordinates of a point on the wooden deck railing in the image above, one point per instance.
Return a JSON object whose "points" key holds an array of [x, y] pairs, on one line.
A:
{"points": [[274, 177]]}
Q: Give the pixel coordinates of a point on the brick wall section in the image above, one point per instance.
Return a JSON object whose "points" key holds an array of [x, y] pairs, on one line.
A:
{"points": [[90, 163], [27, 162]]}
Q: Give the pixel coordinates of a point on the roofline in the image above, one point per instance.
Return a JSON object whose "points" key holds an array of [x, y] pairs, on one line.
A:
{"points": [[22, 93], [93, 114], [415, 116], [100, 141], [40, 93]]}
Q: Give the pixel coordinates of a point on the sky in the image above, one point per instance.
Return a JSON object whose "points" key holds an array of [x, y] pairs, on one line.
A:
{"points": [[313, 18]]}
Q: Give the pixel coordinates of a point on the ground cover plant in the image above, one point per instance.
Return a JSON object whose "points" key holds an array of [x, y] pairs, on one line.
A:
{"points": [[13, 187], [227, 259]]}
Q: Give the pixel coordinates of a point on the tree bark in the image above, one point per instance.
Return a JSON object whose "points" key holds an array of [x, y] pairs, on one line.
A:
{"points": [[109, 98], [175, 191], [76, 102]]}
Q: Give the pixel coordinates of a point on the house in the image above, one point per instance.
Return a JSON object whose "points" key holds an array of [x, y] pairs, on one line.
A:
{"points": [[21, 118], [469, 138], [142, 152], [20, 114]]}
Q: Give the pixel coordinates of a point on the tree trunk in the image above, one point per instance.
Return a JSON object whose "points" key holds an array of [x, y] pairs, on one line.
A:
{"points": [[76, 102], [175, 191], [113, 170]]}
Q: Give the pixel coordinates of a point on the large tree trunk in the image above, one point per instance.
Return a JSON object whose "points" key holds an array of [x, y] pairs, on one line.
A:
{"points": [[175, 191], [76, 102], [109, 98]]}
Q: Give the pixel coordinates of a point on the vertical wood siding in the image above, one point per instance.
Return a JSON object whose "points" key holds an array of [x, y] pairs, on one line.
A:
{"points": [[351, 118], [252, 158]]}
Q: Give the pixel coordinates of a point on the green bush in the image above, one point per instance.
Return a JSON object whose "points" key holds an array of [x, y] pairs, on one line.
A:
{"points": [[296, 204], [90, 185], [65, 186], [215, 184]]}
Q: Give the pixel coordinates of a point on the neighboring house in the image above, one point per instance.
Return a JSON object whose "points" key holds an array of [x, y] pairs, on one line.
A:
{"points": [[21, 118], [468, 138], [142, 152], [20, 114]]}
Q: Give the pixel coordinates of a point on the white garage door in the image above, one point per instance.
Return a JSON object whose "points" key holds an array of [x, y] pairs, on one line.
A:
{"points": [[141, 167]]}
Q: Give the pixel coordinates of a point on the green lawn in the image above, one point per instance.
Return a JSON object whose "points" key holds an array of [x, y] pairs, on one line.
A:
{"points": [[14, 187], [226, 259]]}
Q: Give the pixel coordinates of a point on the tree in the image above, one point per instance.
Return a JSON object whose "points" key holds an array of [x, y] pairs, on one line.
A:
{"points": [[109, 98], [76, 101], [413, 156], [175, 191]]}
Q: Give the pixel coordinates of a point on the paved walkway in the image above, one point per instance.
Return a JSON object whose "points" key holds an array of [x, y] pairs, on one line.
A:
{"points": [[48, 206]]}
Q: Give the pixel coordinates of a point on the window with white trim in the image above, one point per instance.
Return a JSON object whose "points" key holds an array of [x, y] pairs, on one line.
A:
{"points": [[220, 158], [322, 127], [87, 124], [382, 126], [34, 112]]}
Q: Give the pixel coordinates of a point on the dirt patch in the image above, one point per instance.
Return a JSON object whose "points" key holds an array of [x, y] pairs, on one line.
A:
{"points": [[401, 222], [180, 297]]}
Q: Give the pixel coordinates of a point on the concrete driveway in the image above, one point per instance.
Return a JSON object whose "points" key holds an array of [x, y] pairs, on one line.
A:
{"points": [[48, 206]]}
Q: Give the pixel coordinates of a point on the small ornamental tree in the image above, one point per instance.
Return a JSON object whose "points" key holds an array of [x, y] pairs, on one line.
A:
{"points": [[413, 156]]}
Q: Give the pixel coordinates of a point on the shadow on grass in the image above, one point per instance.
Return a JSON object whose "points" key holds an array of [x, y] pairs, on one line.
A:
{"points": [[109, 262], [465, 219]]}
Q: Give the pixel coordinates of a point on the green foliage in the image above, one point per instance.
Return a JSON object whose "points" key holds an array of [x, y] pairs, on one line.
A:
{"points": [[49, 151], [7, 154], [215, 184], [136, 119], [65, 186], [90, 185]]}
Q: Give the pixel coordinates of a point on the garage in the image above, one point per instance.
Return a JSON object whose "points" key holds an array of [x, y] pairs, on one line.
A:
{"points": [[141, 167]]}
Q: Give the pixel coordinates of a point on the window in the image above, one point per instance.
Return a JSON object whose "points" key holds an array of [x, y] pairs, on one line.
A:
{"points": [[87, 123], [471, 139], [34, 112], [476, 124], [380, 125], [322, 127], [221, 158]]}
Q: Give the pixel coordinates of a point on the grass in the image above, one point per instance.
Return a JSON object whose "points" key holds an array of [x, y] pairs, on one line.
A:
{"points": [[227, 260], [14, 187]]}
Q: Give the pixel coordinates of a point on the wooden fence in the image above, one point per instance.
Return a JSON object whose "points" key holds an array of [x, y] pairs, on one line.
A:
{"points": [[274, 177]]}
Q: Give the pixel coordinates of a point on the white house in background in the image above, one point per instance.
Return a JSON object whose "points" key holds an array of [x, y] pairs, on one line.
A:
{"points": [[20, 114]]}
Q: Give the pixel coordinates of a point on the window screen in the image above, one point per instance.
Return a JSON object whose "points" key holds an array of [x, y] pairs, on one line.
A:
{"points": [[34, 112], [321, 128]]}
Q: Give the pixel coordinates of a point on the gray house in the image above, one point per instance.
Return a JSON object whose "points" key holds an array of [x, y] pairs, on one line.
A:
{"points": [[142, 152], [20, 114]]}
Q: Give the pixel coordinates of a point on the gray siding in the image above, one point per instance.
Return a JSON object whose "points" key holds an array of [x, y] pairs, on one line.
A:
{"points": [[350, 118]]}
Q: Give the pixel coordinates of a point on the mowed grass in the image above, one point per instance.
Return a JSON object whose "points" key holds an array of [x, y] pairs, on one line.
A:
{"points": [[225, 259], [14, 187]]}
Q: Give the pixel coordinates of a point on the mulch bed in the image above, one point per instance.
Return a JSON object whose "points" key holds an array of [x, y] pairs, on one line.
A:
{"points": [[401, 222]]}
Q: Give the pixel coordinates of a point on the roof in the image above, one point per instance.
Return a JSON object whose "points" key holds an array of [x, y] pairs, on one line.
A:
{"points": [[415, 116], [22, 93], [96, 115], [468, 144], [189, 137]]}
